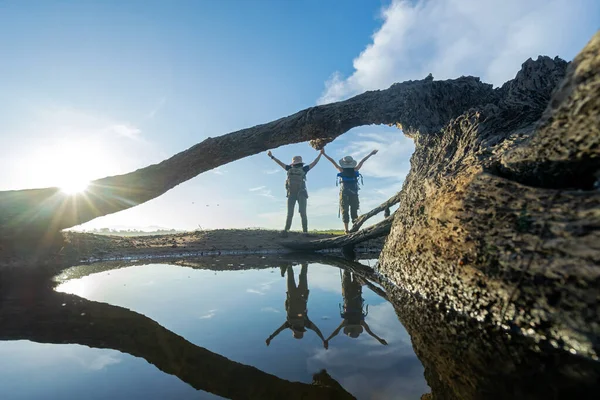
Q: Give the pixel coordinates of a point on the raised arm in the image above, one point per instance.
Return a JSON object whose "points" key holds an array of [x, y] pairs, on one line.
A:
{"points": [[312, 164], [277, 332], [282, 165], [313, 327], [335, 333], [332, 161], [380, 340], [360, 164]]}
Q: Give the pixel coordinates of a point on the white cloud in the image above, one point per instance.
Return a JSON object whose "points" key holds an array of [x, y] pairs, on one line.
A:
{"points": [[218, 171], [126, 130], [450, 38], [392, 160], [272, 171], [262, 191]]}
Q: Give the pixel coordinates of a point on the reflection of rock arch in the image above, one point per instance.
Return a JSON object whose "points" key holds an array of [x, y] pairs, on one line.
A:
{"points": [[101, 325]]}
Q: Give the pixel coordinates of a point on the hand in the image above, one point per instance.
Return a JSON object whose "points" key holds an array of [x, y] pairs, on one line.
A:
{"points": [[323, 150], [326, 344], [374, 152], [383, 342], [268, 341], [269, 153]]}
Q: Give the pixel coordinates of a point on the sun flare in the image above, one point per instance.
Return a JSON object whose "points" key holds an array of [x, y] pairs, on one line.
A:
{"points": [[71, 166], [74, 186]]}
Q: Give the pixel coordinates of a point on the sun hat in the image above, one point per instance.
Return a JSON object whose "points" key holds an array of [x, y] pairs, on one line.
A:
{"points": [[353, 331], [297, 160], [347, 162]]}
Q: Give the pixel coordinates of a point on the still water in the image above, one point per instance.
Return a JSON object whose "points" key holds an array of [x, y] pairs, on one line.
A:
{"points": [[160, 331]]}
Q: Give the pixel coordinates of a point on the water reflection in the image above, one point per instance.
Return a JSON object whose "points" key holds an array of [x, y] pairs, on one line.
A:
{"points": [[204, 322], [296, 306], [354, 311]]}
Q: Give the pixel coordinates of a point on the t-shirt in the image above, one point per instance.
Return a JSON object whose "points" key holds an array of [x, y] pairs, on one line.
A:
{"points": [[306, 168]]}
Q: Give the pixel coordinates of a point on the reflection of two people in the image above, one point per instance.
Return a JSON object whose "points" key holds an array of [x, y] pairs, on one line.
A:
{"points": [[295, 306], [352, 313]]}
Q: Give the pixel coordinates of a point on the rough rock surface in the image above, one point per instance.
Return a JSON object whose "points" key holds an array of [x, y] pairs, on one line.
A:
{"points": [[467, 359], [497, 217]]}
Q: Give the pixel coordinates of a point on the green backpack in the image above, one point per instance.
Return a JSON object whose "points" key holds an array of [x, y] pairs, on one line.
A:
{"points": [[296, 181]]}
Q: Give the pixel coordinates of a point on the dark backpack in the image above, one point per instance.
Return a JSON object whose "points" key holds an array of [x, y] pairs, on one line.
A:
{"points": [[296, 180], [348, 179]]}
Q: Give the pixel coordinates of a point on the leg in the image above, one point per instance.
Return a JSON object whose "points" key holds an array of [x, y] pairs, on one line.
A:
{"points": [[303, 281], [354, 207], [346, 283], [291, 204], [344, 205], [302, 200], [291, 282]]}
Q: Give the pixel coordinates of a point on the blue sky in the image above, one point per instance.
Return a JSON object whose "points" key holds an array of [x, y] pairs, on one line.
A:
{"points": [[96, 88]]}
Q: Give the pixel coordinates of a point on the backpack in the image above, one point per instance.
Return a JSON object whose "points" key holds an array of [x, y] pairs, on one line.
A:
{"points": [[296, 180], [348, 179]]}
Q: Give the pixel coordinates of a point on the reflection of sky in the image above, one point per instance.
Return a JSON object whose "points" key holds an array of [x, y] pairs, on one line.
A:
{"points": [[230, 313], [55, 372]]}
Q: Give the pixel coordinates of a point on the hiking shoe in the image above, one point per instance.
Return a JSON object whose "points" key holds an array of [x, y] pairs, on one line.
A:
{"points": [[283, 234], [282, 271]]}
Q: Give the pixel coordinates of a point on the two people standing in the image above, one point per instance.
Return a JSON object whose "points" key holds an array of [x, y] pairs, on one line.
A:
{"points": [[297, 193], [353, 312]]}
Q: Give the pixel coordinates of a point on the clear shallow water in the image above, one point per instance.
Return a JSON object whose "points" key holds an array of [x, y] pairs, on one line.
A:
{"points": [[231, 313]]}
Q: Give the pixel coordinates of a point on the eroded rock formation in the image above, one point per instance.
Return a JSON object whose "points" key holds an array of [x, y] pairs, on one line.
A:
{"points": [[497, 217]]}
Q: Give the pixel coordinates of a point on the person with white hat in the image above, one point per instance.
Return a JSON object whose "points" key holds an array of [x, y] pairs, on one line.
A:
{"points": [[348, 177], [353, 313], [295, 185]]}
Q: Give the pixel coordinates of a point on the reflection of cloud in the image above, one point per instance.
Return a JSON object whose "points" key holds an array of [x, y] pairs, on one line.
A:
{"points": [[264, 287], [103, 361], [364, 367], [322, 278], [211, 313], [270, 309]]}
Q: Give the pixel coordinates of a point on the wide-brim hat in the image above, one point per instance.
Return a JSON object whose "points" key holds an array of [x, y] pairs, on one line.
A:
{"points": [[298, 332], [353, 331], [348, 162], [297, 160]]}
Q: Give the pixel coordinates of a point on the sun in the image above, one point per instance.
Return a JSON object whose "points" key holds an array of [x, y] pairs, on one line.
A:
{"points": [[71, 166], [74, 186]]}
